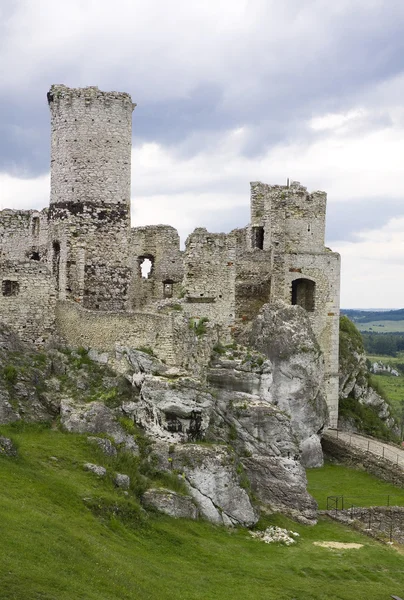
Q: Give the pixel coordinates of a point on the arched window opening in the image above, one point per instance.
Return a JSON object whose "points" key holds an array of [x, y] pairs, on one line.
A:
{"points": [[303, 293], [35, 226], [257, 237], [34, 255], [56, 262], [146, 264], [168, 288], [10, 287]]}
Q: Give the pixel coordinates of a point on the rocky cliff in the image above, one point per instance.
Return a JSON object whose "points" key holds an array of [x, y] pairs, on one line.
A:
{"points": [[362, 409], [238, 431]]}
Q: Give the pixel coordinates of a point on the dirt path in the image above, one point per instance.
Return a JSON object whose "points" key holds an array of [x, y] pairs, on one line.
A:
{"points": [[393, 454]]}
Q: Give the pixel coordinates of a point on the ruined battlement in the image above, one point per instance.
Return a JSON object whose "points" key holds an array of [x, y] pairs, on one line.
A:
{"points": [[78, 270], [59, 93], [287, 217]]}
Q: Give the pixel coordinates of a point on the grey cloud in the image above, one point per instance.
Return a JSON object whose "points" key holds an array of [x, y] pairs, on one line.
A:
{"points": [[346, 219], [24, 136]]}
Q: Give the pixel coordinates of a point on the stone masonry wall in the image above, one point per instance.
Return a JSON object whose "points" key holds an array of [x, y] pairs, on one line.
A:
{"points": [[293, 219], [160, 244], [253, 276], [23, 235], [27, 300], [337, 450], [167, 333], [103, 330], [209, 277], [90, 194]]}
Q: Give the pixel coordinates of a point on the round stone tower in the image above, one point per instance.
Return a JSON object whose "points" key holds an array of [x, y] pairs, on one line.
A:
{"points": [[89, 214]]}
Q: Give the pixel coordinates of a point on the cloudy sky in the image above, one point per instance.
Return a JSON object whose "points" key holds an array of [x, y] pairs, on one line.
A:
{"points": [[228, 92]]}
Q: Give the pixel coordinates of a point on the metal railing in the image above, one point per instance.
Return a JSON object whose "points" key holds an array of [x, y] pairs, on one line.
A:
{"points": [[372, 446]]}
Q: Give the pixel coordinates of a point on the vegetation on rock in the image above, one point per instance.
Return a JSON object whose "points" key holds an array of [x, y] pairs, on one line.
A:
{"points": [[363, 407]]}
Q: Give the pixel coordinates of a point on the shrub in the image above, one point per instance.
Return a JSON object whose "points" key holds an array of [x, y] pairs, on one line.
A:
{"points": [[366, 419], [176, 306], [199, 326], [146, 350], [219, 348], [10, 374]]}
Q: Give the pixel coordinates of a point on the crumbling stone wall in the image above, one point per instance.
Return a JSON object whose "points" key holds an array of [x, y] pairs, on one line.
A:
{"points": [[103, 330], [159, 245], [292, 219], [23, 235], [27, 300], [209, 277], [167, 333], [89, 210], [382, 522], [253, 276]]}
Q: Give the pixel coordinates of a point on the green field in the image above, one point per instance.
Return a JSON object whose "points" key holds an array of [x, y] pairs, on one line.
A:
{"points": [[67, 534], [393, 389], [357, 487], [390, 386], [381, 326], [387, 360]]}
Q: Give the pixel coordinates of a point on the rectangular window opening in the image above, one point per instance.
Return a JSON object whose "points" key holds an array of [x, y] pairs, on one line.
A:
{"points": [[257, 237], [10, 288]]}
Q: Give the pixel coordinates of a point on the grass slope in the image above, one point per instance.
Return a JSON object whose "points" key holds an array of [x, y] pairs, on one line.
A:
{"points": [[57, 546]]}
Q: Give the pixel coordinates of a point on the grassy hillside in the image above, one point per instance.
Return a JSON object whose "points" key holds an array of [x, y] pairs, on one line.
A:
{"points": [[67, 534]]}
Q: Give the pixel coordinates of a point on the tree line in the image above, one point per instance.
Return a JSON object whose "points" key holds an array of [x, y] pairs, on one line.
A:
{"points": [[383, 343]]}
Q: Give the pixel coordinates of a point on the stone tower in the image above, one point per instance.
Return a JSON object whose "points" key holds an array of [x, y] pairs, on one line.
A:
{"points": [[89, 214], [289, 223]]}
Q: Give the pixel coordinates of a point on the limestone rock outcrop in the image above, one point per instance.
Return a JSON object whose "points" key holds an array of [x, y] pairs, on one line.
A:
{"points": [[264, 399], [7, 447], [94, 417], [170, 503]]}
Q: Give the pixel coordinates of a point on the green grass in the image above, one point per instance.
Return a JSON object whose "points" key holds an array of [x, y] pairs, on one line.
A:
{"points": [[393, 389], [387, 360], [381, 326], [57, 546], [357, 487]]}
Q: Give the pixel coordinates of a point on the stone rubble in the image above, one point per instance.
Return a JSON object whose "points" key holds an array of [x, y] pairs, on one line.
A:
{"points": [[275, 535]]}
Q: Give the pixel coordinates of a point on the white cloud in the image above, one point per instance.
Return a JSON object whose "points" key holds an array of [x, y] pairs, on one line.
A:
{"points": [[23, 193], [373, 268]]}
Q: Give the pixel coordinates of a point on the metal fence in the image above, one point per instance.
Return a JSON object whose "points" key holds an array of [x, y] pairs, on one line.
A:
{"points": [[386, 522], [344, 502], [369, 445]]}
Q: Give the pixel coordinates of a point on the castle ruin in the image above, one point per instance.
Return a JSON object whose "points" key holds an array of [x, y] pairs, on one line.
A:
{"points": [[76, 270]]}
